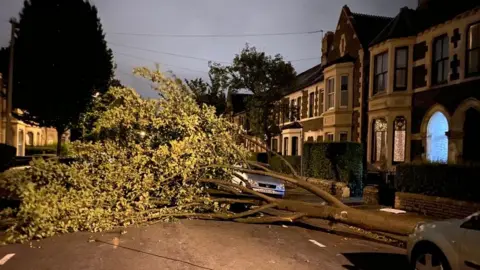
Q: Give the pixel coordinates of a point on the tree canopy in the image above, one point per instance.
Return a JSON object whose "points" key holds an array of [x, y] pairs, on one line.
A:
{"points": [[61, 61]]}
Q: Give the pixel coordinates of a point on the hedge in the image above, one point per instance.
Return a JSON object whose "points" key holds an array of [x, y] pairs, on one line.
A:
{"points": [[461, 182], [259, 157], [7, 153], [339, 161], [276, 164], [42, 150]]}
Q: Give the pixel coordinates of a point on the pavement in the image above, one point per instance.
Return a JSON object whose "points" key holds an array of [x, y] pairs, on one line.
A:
{"points": [[199, 244]]}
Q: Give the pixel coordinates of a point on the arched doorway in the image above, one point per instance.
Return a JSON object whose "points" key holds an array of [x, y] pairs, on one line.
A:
{"points": [[471, 135], [437, 140]]}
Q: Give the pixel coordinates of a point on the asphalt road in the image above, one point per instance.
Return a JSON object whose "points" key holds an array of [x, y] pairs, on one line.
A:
{"points": [[196, 244]]}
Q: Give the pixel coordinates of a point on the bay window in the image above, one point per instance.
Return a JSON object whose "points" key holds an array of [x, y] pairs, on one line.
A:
{"points": [[344, 92], [401, 69], [330, 99], [379, 140], [473, 50], [440, 63], [380, 73], [399, 139]]}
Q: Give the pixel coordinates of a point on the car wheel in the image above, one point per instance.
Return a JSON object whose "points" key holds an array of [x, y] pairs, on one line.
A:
{"points": [[430, 258]]}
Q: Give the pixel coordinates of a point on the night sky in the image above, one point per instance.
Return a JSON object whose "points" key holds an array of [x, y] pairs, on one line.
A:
{"points": [[122, 19]]}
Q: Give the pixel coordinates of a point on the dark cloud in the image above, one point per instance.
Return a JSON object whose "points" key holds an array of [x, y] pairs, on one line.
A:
{"points": [[211, 17]]}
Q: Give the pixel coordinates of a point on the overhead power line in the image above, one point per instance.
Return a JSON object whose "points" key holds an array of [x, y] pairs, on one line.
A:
{"points": [[154, 61], [216, 35], [167, 53]]}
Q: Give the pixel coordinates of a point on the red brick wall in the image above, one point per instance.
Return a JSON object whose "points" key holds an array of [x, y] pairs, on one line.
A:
{"points": [[438, 207]]}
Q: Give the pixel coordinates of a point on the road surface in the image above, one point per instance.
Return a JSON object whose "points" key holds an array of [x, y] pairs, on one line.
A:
{"points": [[197, 244]]}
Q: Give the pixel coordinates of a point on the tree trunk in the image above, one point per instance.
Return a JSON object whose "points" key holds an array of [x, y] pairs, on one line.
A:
{"points": [[59, 141]]}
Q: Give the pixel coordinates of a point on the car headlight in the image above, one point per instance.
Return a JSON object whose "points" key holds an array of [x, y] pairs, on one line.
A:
{"points": [[281, 187]]}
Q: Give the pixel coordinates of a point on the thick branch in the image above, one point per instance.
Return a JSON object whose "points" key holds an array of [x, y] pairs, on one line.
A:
{"points": [[242, 188], [271, 219]]}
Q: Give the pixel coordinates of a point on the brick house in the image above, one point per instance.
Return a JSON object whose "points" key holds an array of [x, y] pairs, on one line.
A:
{"points": [[328, 103], [424, 96]]}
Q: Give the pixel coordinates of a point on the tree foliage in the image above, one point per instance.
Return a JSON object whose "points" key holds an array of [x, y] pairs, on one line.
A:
{"points": [[61, 61], [141, 165]]}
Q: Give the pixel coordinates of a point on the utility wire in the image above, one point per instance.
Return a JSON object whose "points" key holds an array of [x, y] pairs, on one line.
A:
{"points": [[167, 53], [153, 61], [217, 35]]}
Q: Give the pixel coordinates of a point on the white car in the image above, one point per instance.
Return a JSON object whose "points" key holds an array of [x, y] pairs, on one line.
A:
{"points": [[449, 245], [261, 183]]}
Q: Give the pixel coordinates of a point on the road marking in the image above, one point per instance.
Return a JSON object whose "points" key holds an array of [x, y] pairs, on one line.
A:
{"points": [[317, 243], [6, 258]]}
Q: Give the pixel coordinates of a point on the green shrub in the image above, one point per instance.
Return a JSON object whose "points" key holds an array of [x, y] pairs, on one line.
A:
{"points": [[7, 153], [339, 161], [460, 182], [278, 165]]}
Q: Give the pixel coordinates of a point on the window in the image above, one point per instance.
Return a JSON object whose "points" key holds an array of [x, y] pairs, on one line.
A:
{"points": [[380, 73], [437, 140], [319, 138], [344, 92], [285, 146], [294, 146], [299, 107], [401, 68], [310, 139], [440, 60], [30, 138], [274, 145], [379, 140], [343, 136], [311, 104], [399, 139], [292, 110], [473, 49], [320, 109], [329, 137], [330, 94], [39, 139]]}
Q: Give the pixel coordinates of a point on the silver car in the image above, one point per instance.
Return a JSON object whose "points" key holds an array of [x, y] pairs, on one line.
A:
{"points": [[450, 244]]}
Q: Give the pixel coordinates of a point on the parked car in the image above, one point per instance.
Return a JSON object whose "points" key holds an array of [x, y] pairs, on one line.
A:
{"points": [[261, 183], [450, 244]]}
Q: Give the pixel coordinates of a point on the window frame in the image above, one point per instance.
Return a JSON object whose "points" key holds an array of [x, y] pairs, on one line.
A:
{"points": [[374, 140], [328, 93], [285, 146], [327, 135], [311, 104], [340, 136], [296, 148], [383, 73], [395, 87], [299, 108], [434, 63], [467, 52], [274, 145], [342, 91], [321, 102], [405, 138]]}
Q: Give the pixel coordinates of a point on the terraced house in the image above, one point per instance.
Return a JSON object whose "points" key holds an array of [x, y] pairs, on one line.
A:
{"points": [[424, 96], [329, 101]]}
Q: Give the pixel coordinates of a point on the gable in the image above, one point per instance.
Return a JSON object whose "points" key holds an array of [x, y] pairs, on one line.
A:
{"points": [[345, 40]]}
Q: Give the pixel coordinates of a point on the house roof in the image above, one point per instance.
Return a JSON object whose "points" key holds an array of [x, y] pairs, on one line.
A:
{"points": [[293, 125], [344, 59], [307, 78], [410, 22], [368, 26]]}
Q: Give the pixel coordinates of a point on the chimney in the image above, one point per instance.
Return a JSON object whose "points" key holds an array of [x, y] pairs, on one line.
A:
{"points": [[327, 43]]}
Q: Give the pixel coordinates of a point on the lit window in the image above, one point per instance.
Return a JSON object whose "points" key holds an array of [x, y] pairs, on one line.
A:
{"points": [[473, 49], [401, 67], [379, 140], [440, 60], [437, 140], [344, 92], [343, 136], [380, 73], [311, 103], [399, 139], [285, 146], [330, 93]]}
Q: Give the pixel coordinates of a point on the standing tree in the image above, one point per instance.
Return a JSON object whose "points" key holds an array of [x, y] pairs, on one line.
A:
{"points": [[267, 78], [212, 93], [61, 62]]}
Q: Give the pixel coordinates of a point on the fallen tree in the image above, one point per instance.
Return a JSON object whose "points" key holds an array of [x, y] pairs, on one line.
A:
{"points": [[157, 159]]}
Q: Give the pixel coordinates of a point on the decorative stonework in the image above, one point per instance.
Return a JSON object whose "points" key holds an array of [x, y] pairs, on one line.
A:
{"points": [[455, 38], [454, 64], [343, 45]]}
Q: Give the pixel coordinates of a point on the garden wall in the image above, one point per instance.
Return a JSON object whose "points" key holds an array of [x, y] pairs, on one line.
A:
{"points": [[433, 206]]}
